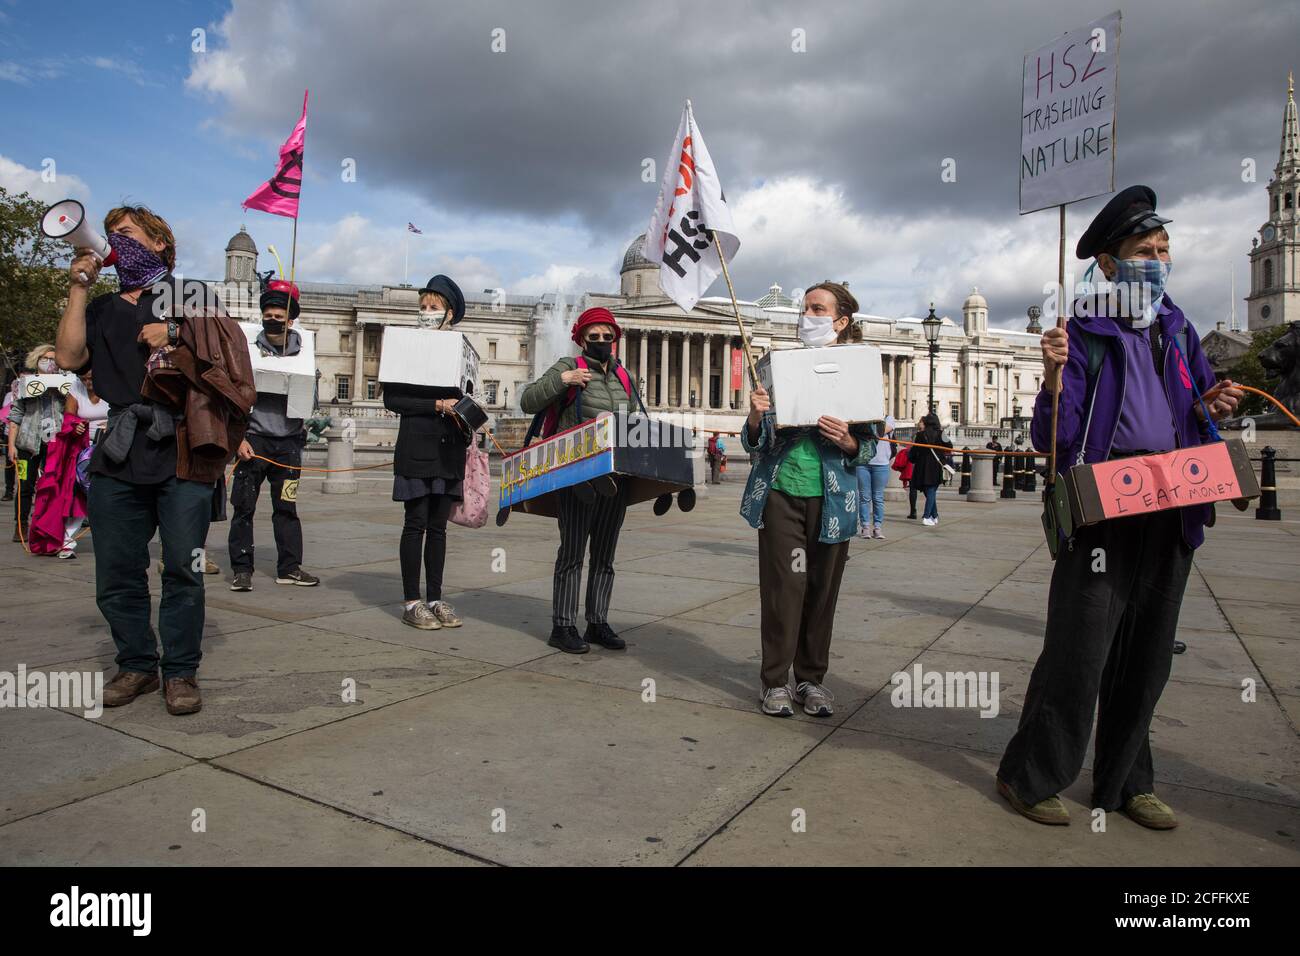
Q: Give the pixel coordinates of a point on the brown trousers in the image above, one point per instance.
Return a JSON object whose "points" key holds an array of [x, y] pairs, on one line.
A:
{"points": [[799, 583]]}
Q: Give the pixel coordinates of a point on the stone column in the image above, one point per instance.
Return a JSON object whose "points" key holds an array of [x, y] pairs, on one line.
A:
{"points": [[744, 379], [642, 365], [727, 403], [663, 370], [686, 369], [981, 480], [338, 454], [358, 368], [706, 376]]}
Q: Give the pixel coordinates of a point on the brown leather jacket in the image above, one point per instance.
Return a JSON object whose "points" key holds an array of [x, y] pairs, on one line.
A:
{"points": [[208, 378]]}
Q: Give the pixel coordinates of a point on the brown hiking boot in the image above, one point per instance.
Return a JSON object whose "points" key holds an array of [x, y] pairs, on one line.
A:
{"points": [[126, 686], [183, 697], [1051, 811]]}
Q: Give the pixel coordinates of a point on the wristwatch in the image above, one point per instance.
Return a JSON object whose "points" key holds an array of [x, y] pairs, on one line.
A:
{"points": [[173, 331]]}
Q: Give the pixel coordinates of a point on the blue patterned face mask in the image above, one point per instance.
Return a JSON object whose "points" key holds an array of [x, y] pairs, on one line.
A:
{"points": [[1144, 281]]}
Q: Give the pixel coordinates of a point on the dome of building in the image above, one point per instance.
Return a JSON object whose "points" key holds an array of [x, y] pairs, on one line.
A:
{"points": [[635, 258], [242, 242], [974, 300]]}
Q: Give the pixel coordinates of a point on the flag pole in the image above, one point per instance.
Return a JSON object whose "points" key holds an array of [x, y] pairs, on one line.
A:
{"points": [[744, 336], [406, 268], [1060, 324], [293, 252]]}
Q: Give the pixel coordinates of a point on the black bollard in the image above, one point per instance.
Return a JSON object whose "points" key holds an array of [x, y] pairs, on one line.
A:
{"points": [[1008, 478], [1268, 509], [965, 471], [1031, 475]]}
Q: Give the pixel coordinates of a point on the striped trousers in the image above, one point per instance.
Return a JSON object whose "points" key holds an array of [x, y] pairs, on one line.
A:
{"points": [[600, 521]]}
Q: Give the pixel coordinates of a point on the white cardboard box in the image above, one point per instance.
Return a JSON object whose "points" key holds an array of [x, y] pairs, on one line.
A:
{"points": [[33, 386], [415, 356], [840, 380], [291, 375]]}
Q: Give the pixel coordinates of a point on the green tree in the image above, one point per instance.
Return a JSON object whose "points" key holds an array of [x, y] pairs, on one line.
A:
{"points": [[1248, 371], [33, 278]]}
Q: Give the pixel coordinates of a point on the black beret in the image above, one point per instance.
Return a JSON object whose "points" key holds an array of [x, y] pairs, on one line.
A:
{"points": [[449, 291], [1130, 212]]}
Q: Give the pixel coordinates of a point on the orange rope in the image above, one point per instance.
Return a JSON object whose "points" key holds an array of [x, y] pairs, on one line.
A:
{"points": [[1259, 391]]}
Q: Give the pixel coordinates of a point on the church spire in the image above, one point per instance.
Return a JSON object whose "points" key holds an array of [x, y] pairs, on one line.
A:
{"points": [[1289, 155]]}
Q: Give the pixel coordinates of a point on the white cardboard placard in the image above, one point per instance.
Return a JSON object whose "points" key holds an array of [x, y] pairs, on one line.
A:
{"points": [[33, 386], [1067, 116], [844, 381], [415, 356], [291, 375]]}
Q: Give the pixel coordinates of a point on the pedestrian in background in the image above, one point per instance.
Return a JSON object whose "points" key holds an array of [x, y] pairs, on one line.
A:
{"points": [[927, 466], [871, 485]]}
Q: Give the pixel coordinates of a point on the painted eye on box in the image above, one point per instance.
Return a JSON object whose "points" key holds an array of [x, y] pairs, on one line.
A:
{"points": [[1194, 471], [1127, 481]]}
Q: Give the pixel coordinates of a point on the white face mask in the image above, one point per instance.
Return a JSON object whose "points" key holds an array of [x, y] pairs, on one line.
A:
{"points": [[816, 330], [47, 366]]}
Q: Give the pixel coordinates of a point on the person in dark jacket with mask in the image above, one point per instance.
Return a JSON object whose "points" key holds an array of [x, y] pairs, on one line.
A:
{"points": [[1110, 628], [428, 468], [927, 466], [602, 389], [271, 435]]}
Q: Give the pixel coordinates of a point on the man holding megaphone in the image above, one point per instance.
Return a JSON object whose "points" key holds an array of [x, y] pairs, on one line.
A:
{"points": [[134, 486]]}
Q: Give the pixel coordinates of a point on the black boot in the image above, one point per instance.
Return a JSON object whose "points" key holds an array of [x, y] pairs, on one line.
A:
{"points": [[604, 635], [567, 640]]}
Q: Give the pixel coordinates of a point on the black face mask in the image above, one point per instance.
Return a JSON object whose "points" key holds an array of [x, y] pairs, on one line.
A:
{"points": [[273, 327], [598, 351]]}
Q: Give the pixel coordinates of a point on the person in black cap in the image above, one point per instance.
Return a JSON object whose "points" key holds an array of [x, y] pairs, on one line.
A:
{"points": [[1134, 381], [275, 436], [428, 468]]}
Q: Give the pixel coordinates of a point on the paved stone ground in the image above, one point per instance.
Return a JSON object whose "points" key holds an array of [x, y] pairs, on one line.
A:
{"points": [[451, 728]]}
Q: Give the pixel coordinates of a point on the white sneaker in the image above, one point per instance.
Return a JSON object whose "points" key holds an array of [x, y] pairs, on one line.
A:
{"points": [[929, 522], [777, 702], [816, 700]]}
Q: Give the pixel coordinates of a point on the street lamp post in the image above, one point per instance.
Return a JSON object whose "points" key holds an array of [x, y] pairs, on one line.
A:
{"points": [[930, 324]]}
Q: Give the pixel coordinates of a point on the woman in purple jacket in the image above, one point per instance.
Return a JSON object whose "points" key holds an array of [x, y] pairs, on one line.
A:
{"points": [[1132, 378]]}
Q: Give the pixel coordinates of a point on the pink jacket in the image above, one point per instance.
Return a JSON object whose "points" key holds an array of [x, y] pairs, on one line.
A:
{"points": [[58, 494]]}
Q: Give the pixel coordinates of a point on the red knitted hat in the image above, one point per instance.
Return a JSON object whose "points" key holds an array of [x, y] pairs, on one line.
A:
{"points": [[595, 316]]}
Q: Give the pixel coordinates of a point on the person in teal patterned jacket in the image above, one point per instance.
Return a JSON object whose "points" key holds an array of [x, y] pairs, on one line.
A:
{"points": [[803, 499]]}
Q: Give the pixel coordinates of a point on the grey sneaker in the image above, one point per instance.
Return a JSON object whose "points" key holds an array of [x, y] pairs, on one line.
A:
{"points": [[419, 615], [776, 702], [243, 581], [445, 614], [878, 534], [816, 700], [300, 578]]}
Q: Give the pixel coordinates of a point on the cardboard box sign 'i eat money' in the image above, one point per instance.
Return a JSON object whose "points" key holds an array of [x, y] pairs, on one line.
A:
{"points": [[1218, 471], [843, 381], [414, 356], [290, 375]]}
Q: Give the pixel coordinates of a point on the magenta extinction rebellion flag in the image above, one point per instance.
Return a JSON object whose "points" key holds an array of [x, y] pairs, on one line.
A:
{"points": [[690, 204]]}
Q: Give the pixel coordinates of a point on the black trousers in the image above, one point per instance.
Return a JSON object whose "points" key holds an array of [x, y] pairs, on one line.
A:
{"points": [[911, 498], [10, 471], [30, 467], [600, 522], [425, 529], [245, 488], [1112, 611]]}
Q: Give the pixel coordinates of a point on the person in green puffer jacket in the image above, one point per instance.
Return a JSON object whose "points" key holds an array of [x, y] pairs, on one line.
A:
{"points": [[601, 388]]}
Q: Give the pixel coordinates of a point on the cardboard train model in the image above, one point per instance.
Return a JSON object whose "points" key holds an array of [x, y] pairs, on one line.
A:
{"points": [[640, 457]]}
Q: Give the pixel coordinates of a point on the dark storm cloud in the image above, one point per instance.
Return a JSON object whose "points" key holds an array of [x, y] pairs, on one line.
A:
{"points": [[557, 126], [559, 123]]}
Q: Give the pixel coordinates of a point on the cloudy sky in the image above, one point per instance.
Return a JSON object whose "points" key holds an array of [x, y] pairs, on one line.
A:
{"points": [[524, 166]]}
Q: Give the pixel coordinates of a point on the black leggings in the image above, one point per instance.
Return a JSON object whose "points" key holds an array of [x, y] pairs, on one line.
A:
{"points": [[427, 513]]}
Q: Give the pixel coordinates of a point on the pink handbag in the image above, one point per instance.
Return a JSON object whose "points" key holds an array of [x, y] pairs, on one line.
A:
{"points": [[472, 509]]}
